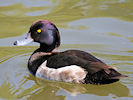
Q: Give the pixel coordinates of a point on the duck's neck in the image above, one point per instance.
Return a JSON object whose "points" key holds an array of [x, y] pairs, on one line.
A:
{"points": [[46, 48]]}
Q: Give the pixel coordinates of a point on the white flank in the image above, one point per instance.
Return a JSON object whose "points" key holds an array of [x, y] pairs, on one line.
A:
{"points": [[72, 74]]}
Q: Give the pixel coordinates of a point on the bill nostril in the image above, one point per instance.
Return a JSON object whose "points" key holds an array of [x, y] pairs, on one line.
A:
{"points": [[15, 43]]}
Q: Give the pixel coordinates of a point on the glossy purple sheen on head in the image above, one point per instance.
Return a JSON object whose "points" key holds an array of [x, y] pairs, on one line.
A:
{"points": [[41, 20]]}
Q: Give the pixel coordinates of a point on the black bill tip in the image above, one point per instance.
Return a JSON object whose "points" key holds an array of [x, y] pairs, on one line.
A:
{"points": [[15, 43]]}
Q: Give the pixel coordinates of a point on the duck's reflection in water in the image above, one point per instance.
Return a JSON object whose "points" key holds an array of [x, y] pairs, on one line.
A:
{"points": [[59, 90]]}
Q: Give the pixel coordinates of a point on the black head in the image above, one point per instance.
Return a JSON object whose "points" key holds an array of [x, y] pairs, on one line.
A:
{"points": [[45, 33]]}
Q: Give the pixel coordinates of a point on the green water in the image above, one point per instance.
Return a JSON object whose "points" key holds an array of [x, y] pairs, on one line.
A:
{"points": [[101, 27]]}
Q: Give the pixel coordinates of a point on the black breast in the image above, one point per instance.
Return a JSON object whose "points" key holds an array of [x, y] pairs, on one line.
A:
{"points": [[36, 59]]}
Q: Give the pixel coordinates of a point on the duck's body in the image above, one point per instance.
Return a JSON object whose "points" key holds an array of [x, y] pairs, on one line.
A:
{"points": [[72, 66]]}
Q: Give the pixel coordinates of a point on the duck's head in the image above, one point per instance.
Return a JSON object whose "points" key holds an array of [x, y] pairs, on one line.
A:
{"points": [[43, 32]]}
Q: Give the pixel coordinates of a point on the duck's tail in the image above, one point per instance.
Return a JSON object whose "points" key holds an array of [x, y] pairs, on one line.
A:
{"points": [[102, 77]]}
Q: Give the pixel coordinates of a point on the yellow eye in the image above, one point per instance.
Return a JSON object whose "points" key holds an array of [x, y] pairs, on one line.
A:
{"points": [[39, 31]]}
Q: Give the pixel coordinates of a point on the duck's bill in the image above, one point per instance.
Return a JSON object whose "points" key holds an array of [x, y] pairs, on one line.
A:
{"points": [[23, 42]]}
